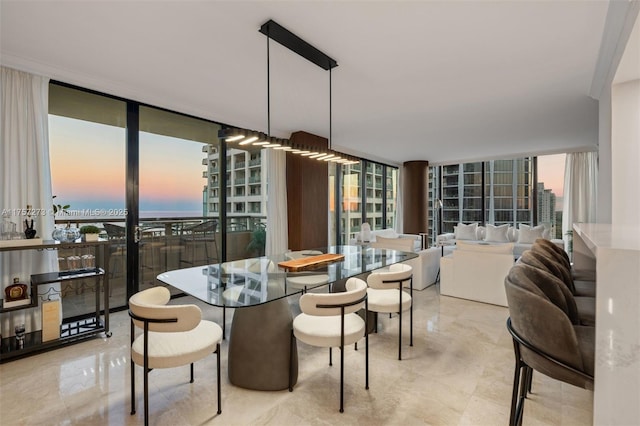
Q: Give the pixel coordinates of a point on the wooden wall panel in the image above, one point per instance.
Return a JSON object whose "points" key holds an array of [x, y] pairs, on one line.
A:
{"points": [[415, 211], [307, 195]]}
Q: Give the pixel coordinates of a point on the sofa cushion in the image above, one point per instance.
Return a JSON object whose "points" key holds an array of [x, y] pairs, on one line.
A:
{"points": [[497, 234], [466, 232], [506, 248], [385, 233], [402, 244], [527, 234]]}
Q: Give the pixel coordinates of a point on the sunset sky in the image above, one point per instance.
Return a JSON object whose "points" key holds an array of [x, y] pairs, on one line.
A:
{"points": [[88, 168]]}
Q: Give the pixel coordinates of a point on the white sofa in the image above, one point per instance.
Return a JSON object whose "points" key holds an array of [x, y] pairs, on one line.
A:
{"points": [[477, 272], [522, 238], [425, 266], [389, 233]]}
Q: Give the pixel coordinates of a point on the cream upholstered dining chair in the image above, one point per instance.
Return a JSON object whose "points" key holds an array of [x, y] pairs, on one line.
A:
{"points": [[330, 320], [386, 295], [173, 335]]}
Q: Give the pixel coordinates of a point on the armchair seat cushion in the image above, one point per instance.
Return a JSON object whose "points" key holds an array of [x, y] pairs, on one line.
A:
{"points": [[320, 330], [167, 350], [301, 281], [386, 300]]}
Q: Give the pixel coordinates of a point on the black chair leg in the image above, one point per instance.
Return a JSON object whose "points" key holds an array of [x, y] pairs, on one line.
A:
{"points": [[219, 391], [146, 396], [291, 361], [191, 369], [224, 321], [133, 374], [400, 333], [341, 379], [366, 349], [330, 360], [523, 392], [133, 389], [514, 394]]}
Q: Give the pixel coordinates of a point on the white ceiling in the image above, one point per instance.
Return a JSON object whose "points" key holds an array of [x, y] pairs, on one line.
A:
{"points": [[441, 81]]}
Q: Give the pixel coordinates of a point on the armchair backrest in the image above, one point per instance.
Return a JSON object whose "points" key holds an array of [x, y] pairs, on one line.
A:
{"points": [[542, 324], [330, 304], [397, 274], [551, 247], [550, 264], [550, 287], [151, 304]]}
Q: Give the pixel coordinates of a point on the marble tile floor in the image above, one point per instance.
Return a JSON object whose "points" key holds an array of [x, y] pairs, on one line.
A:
{"points": [[459, 372]]}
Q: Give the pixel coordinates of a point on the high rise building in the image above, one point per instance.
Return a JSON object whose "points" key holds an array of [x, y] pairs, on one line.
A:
{"points": [[246, 188], [506, 197], [546, 205]]}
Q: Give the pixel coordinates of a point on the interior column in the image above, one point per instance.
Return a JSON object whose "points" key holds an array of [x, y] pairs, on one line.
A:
{"points": [[415, 197]]}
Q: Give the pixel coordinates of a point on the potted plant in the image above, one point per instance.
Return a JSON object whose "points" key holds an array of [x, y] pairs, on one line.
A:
{"points": [[90, 232], [256, 246]]}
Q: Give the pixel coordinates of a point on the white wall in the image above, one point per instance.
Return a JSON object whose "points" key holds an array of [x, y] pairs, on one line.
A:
{"points": [[603, 212], [625, 153]]}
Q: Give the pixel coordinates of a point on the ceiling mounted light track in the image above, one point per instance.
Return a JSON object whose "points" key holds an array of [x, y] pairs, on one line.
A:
{"points": [[250, 138]]}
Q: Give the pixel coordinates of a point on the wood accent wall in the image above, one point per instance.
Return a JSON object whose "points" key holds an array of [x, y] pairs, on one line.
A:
{"points": [[415, 193], [307, 195]]}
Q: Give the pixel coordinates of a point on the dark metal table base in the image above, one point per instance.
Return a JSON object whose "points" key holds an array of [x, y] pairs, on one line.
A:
{"points": [[259, 347]]}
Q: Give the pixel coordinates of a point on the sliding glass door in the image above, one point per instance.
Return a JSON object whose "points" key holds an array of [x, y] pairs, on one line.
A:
{"points": [[87, 156], [177, 226], [144, 176]]}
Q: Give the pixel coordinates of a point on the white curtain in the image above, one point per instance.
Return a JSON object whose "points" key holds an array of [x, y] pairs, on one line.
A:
{"points": [[277, 224], [580, 190], [26, 180], [398, 224]]}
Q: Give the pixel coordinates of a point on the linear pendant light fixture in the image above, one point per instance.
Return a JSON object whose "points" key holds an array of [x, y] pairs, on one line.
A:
{"points": [[245, 138]]}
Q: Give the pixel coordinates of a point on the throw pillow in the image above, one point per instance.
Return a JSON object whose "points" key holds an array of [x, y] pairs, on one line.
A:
{"points": [[497, 234], [466, 232], [527, 234]]}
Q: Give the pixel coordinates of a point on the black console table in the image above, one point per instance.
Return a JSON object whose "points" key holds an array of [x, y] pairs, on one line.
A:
{"points": [[72, 330]]}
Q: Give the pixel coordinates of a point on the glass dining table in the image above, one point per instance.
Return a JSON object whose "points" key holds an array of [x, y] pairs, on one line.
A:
{"points": [[260, 355]]}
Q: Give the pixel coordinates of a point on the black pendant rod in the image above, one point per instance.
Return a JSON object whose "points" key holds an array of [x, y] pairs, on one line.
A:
{"points": [[268, 90], [330, 121]]}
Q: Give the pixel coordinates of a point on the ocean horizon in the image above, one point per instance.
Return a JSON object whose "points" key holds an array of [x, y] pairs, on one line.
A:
{"points": [[119, 214]]}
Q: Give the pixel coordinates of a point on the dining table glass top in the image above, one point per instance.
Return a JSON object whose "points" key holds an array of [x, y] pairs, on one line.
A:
{"points": [[250, 282]]}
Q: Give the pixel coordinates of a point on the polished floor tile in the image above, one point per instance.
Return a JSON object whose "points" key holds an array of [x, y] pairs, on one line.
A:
{"points": [[458, 372]]}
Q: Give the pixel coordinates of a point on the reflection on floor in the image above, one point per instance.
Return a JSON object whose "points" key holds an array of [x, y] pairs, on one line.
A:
{"points": [[459, 371]]}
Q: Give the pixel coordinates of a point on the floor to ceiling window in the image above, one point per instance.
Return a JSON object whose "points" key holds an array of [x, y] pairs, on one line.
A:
{"points": [[376, 189], [497, 192], [177, 229], [87, 155], [93, 149]]}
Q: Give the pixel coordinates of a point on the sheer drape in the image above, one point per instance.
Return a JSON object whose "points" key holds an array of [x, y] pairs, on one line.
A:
{"points": [[277, 224], [26, 180], [580, 190]]}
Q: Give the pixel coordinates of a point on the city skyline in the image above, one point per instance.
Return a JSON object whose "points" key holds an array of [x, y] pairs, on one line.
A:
{"points": [[82, 179]]}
